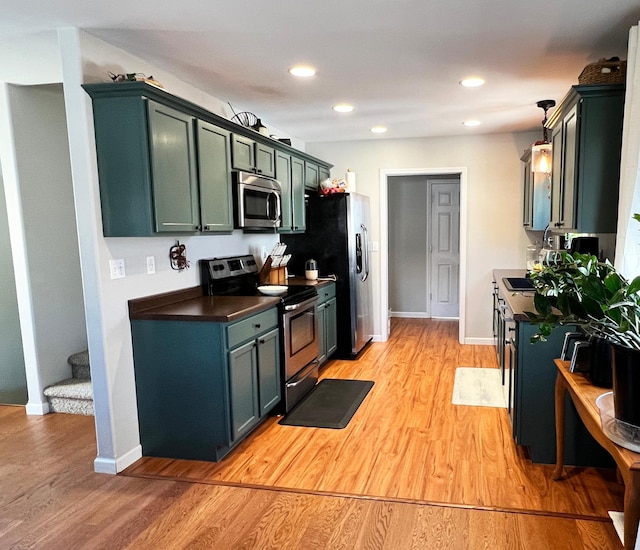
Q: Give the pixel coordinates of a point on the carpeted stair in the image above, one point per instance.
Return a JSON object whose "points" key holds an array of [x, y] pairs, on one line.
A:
{"points": [[73, 395]]}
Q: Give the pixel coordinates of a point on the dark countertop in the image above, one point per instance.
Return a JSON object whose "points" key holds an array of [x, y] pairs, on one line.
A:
{"points": [[190, 305], [518, 302]]}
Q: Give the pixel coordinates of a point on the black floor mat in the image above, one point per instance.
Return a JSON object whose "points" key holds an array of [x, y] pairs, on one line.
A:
{"points": [[331, 404]]}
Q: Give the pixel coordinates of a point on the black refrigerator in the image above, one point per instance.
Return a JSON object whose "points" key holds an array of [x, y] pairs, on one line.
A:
{"points": [[337, 237]]}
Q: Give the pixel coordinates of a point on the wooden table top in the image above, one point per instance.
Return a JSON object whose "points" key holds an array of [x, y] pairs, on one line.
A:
{"points": [[586, 394]]}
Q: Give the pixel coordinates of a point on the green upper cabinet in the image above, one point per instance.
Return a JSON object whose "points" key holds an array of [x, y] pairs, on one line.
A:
{"points": [[214, 162], [587, 141], [251, 156], [290, 174], [173, 169], [323, 173], [165, 164], [312, 176]]}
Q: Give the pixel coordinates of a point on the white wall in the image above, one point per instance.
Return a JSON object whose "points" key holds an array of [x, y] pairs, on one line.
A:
{"points": [[408, 278], [495, 238], [87, 59], [628, 236], [13, 381], [41, 218]]}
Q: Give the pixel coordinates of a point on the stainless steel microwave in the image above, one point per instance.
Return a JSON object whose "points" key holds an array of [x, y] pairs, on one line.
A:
{"points": [[257, 201]]}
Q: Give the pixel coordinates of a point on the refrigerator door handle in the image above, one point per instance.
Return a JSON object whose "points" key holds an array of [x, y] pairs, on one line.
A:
{"points": [[365, 247]]}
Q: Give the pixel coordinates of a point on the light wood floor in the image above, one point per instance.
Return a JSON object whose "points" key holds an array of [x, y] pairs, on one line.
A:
{"points": [[410, 471]]}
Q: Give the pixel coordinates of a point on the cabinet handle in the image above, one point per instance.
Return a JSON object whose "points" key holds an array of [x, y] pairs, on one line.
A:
{"points": [[257, 325], [205, 228], [261, 341]]}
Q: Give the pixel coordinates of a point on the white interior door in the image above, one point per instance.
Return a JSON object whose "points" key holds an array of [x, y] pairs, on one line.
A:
{"points": [[444, 250]]}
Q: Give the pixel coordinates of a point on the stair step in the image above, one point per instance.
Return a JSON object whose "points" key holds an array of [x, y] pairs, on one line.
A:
{"points": [[71, 406], [80, 365], [73, 396]]}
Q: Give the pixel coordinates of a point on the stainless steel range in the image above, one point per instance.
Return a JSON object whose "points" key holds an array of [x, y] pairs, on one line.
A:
{"points": [[299, 344]]}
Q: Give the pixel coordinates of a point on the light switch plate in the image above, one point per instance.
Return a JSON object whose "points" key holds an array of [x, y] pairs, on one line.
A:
{"points": [[116, 268]]}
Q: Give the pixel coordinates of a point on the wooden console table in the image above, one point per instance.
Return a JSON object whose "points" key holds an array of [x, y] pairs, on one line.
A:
{"points": [[584, 394]]}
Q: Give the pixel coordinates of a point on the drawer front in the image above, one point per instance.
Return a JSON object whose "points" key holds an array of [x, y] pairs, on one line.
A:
{"points": [[251, 327], [326, 292]]}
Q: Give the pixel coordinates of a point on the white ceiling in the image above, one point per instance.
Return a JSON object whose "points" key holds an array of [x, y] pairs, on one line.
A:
{"points": [[397, 61]]}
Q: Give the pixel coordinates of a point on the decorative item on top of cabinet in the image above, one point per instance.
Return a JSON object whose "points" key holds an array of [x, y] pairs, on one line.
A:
{"points": [[586, 134]]}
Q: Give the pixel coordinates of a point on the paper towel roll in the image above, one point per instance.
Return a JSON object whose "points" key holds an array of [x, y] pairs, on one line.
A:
{"points": [[350, 179]]}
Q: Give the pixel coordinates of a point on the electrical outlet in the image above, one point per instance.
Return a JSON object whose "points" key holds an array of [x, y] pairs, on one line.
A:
{"points": [[151, 265], [116, 267]]}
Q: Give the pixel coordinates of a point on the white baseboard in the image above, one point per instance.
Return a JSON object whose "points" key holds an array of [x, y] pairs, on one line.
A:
{"points": [[112, 466], [38, 409], [479, 341], [409, 314]]}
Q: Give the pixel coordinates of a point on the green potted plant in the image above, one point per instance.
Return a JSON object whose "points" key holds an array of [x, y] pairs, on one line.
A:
{"points": [[580, 290]]}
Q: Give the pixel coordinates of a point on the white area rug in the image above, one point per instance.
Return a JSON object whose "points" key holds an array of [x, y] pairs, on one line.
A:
{"points": [[478, 387]]}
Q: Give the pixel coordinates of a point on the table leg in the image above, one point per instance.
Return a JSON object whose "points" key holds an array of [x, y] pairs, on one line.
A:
{"points": [[631, 512], [559, 399]]}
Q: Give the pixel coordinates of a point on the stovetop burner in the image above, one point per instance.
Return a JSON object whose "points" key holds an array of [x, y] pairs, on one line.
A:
{"points": [[238, 276]]}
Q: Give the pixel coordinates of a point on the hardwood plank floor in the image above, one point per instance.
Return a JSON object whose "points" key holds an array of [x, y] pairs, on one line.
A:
{"points": [[51, 498], [407, 441]]}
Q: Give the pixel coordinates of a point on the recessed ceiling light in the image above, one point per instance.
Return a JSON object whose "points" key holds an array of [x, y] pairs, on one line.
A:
{"points": [[472, 82], [378, 129], [343, 108], [471, 123], [302, 71]]}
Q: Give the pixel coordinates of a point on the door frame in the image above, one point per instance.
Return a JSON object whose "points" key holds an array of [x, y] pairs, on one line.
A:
{"points": [[384, 240]]}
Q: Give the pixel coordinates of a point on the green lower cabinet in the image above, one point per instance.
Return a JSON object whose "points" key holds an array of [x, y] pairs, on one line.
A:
{"points": [[327, 322], [197, 397], [534, 404], [243, 387]]}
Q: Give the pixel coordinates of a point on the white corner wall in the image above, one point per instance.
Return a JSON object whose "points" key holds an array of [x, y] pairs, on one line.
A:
{"points": [[88, 59], [495, 238], [43, 234]]}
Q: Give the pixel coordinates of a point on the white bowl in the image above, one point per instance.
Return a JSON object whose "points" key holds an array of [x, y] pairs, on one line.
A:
{"points": [[272, 290], [625, 435]]}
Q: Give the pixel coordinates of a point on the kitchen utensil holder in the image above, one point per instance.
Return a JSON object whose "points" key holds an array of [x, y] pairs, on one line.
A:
{"points": [[273, 275]]}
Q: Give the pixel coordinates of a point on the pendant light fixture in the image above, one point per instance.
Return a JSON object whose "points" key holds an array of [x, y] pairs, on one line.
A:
{"points": [[541, 150]]}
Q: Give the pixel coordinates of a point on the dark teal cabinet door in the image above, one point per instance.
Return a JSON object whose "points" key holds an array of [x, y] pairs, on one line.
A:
{"points": [[243, 153], [269, 371], [331, 327], [214, 167], [312, 176], [327, 322], [265, 160], [243, 389], [322, 337], [173, 167], [283, 175], [290, 173], [297, 195], [564, 172]]}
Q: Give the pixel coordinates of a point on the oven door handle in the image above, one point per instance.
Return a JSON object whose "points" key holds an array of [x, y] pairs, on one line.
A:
{"points": [[304, 373], [306, 303]]}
